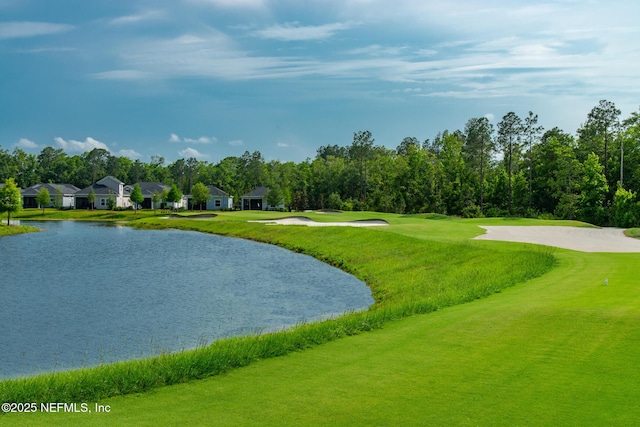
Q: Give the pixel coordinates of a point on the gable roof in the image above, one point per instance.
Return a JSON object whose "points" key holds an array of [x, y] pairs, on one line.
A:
{"points": [[216, 192], [258, 192], [100, 190], [51, 188], [111, 182], [148, 188]]}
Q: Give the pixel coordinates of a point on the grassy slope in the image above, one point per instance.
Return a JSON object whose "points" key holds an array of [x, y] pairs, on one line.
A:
{"points": [[633, 232], [558, 350], [15, 229]]}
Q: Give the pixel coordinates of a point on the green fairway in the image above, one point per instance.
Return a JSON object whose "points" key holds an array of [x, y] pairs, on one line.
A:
{"points": [[560, 349]]}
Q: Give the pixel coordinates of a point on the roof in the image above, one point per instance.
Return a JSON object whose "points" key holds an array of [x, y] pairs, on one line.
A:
{"points": [[258, 192], [216, 192], [51, 188], [101, 190], [148, 188]]}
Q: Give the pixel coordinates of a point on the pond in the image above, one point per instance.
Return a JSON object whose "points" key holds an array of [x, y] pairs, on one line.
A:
{"points": [[80, 294]]}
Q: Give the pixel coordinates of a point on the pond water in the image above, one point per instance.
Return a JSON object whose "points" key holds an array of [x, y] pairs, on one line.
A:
{"points": [[80, 294]]}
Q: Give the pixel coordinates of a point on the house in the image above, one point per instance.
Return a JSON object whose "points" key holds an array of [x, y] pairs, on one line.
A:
{"points": [[255, 200], [219, 200], [107, 187], [62, 195], [148, 188]]}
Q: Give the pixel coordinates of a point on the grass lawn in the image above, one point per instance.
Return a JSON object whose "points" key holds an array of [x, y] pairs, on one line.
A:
{"points": [[6, 230], [559, 349]]}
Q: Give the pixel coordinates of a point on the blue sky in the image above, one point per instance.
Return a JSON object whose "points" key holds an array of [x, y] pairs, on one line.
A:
{"points": [[213, 78]]}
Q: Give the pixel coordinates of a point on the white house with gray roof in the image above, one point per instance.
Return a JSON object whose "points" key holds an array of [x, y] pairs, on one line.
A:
{"points": [[107, 187], [218, 200], [61, 195]]}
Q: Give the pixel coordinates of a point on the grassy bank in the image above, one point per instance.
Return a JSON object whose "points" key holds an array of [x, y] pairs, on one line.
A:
{"points": [[7, 230], [633, 232], [84, 214], [407, 276]]}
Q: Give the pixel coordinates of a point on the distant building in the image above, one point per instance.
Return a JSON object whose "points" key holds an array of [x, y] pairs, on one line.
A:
{"points": [[255, 200], [61, 195], [107, 187], [218, 200], [148, 188]]}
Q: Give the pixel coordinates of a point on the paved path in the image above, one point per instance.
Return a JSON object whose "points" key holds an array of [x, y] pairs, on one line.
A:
{"points": [[576, 238]]}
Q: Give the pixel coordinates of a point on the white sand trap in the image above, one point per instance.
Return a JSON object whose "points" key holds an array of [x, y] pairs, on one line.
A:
{"points": [[300, 220], [576, 238]]}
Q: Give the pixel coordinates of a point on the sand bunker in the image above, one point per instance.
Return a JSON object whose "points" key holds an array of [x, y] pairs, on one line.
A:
{"points": [[300, 220], [575, 238]]}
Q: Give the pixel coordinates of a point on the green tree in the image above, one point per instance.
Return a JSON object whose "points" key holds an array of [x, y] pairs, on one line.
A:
{"points": [[626, 208], [136, 197], [509, 134], [200, 194], [478, 148], [531, 132], [91, 198], [164, 196], [111, 201], [58, 199], [174, 195], [598, 132], [43, 198], [155, 199], [360, 153], [593, 192], [274, 197], [10, 198]]}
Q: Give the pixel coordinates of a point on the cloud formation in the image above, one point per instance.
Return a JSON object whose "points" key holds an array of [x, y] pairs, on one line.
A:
{"points": [[293, 31], [80, 146], [131, 154], [149, 15], [26, 144], [25, 29], [192, 152], [201, 140]]}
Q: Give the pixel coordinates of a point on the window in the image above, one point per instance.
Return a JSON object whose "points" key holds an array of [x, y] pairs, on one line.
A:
{"points": [[217, 203], [103, 202]]}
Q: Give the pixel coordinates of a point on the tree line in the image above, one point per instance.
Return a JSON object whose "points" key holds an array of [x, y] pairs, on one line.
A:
{"points": [[513, 168]]}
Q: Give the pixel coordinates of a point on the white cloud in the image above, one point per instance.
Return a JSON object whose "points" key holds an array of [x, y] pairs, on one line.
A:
{"points": [[122, 75], [282, 145], [191, 152], [149, 15], [490, 116], [26, 144], [80, 146], [243, 4], [236, 143], [201, 140], [23, 29], [131, 154], [293, 31]]}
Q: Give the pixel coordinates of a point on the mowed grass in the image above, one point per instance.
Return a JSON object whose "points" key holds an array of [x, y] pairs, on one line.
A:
{"points": [[558, 350]]}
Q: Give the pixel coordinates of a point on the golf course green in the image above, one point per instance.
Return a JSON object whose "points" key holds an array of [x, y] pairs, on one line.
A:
{"points": [[463, 332]]}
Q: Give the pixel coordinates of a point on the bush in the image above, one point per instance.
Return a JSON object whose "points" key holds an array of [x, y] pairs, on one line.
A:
{"points": [[626, 210], [472, 211], [347, 205]]}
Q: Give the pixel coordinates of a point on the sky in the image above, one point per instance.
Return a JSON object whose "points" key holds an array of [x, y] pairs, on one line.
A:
{"points": [[215, 78]]}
